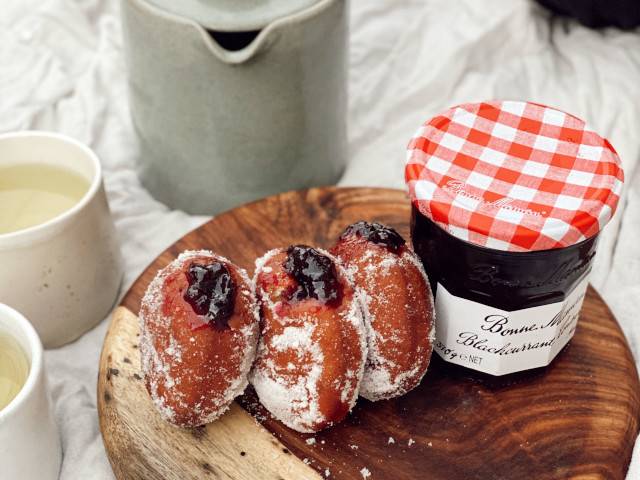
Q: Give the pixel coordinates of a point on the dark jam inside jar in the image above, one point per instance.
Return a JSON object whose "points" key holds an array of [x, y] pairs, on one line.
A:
{"points": [[505, 280]]}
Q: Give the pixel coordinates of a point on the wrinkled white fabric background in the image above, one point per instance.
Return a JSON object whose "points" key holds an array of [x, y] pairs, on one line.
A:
{"points": [[62, 69]]}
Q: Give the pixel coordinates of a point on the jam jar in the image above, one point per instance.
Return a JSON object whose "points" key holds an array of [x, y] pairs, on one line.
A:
{"points": [[508, 200]]}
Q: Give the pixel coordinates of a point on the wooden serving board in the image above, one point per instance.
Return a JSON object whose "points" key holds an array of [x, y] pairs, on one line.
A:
{"points": [[578, 418]]}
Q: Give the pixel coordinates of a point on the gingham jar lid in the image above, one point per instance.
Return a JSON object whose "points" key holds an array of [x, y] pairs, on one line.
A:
{"points": [[514, 176]]}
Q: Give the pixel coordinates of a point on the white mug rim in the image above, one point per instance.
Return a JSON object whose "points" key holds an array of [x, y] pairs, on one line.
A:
{"points": [[35, 367], [24, 233]]}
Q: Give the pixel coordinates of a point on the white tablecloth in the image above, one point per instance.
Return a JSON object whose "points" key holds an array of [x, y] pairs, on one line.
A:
{"points": [[62, 69]]}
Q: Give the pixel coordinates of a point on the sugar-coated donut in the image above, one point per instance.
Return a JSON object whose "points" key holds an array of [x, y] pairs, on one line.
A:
{"points": [[199, 322], [312, 347], [400, 316]]}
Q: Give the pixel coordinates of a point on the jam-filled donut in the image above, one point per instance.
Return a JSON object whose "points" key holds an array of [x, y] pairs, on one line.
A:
{"points": [[312, 347], [400, 311], [199, 321]]}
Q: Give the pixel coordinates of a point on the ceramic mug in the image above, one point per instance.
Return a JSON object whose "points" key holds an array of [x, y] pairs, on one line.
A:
{"points": [[64, 274], [29, 442]]}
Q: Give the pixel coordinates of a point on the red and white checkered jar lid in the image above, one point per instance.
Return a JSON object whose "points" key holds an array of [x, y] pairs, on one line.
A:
{"points": [[514, 176]]}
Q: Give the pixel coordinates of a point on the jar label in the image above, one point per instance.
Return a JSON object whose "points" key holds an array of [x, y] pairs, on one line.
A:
{"points": [[497, 341]]}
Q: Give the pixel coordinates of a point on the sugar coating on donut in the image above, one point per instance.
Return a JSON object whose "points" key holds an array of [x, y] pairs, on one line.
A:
{"points": [[383, 378], [167, 360], [293, 395]]}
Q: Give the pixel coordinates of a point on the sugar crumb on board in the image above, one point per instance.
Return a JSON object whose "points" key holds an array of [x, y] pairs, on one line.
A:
{"points": [[365, 472], [390, 441]]}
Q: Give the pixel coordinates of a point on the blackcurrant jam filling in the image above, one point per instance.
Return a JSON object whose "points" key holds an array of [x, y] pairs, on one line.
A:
{"points": [[211, 293], [315, 275], [501, 279], [376, 233]]}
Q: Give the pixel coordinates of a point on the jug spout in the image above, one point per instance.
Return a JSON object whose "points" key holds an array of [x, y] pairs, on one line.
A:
{"points": [[235, 32], [233, 41], [235, 47]]}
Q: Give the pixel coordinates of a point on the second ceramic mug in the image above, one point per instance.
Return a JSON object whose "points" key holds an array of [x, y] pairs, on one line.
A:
{"points": [[29, 442], [63, 274]]}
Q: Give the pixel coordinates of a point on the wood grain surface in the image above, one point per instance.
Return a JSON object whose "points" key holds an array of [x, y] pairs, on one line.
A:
{"points": [[577, 418]]}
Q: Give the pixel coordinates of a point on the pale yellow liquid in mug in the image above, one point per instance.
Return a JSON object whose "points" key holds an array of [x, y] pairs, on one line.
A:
{"points": [[32, 194], [14, 369]]}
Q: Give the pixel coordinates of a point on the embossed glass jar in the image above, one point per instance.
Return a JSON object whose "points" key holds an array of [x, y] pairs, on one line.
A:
{"points": [[501, 279], [508, 199]]}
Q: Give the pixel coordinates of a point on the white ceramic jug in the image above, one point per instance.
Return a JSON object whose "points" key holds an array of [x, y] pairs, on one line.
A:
{"points": [[233, 100]]}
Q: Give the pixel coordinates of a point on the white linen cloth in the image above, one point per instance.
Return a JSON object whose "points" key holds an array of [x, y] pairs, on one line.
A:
{"points": [[62, 69]]}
